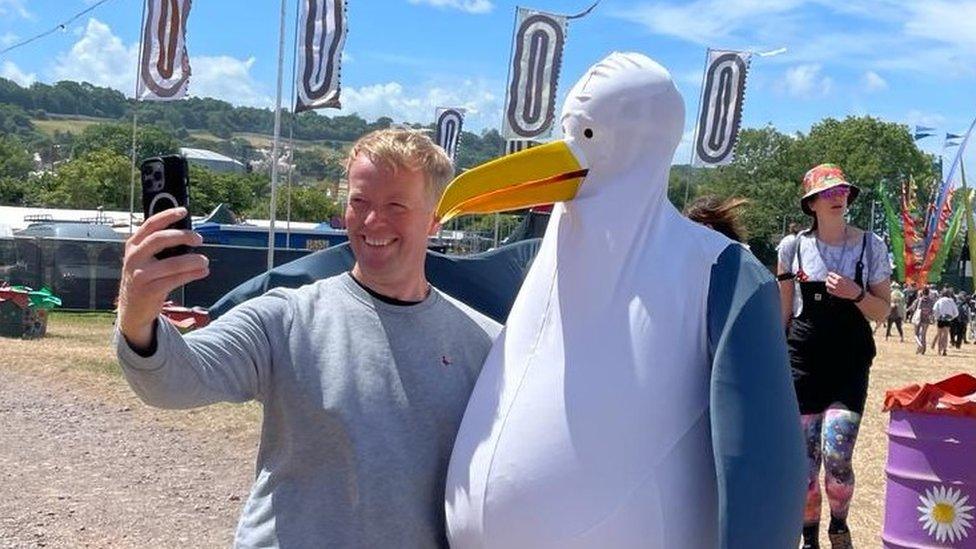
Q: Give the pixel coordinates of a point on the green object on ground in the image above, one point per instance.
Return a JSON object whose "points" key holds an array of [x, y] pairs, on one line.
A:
{"points": [[41, 299]]}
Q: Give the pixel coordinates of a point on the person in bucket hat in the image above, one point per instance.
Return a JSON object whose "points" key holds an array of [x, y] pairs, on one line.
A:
{"points": [[821, 179], [834, 279]]}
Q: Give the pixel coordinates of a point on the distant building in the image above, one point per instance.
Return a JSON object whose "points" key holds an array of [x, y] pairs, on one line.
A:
{"points": [[211, 160]]}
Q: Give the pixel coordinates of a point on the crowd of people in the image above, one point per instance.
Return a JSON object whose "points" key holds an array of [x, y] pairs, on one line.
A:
{"points": [[950, 310]]}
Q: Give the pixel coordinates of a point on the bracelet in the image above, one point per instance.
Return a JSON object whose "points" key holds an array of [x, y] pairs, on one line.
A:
{"points": [[860, 296]]}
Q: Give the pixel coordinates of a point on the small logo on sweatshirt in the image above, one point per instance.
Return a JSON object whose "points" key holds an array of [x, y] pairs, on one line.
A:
{"points": [[446, 360]]}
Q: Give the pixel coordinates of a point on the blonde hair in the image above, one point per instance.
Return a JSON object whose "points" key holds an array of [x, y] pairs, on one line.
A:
{"points": [[398, 148]]}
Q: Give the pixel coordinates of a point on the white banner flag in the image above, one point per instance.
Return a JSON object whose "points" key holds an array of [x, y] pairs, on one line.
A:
{"points": [[537, 53], [321, 37], [723, 94], [516, 145], [164, 68], [448, 132]]}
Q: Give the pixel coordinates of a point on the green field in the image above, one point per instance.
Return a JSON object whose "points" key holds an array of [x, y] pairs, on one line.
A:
{"points": [[67, 125]]}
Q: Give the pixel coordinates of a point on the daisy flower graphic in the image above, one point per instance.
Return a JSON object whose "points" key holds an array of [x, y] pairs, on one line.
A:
{"points": [[945, 515]]}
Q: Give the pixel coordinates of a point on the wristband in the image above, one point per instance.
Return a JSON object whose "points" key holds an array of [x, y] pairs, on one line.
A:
{"points": [[860, 296]]}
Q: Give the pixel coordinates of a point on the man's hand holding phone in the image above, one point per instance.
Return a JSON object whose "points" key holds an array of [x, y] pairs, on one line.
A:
{"points": [[146, 280]]}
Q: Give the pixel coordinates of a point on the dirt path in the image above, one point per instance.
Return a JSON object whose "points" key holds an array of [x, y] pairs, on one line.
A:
{"points": [[84, 464]]}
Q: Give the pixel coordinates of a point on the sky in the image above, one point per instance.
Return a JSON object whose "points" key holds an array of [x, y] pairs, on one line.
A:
{"points": [[909, 61]]}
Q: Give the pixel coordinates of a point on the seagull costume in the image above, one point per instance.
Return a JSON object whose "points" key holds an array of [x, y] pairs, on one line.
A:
{"points": [[640, 394]]}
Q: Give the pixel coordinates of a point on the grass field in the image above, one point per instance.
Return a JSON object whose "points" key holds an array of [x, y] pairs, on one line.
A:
{"points": [[67, 125], [80, 342]]}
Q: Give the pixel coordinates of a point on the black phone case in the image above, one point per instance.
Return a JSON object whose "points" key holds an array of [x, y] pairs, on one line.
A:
{"points": [[166, 185]]}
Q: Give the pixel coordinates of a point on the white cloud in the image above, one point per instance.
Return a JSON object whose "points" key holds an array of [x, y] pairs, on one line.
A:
{"points": [[469, 6], [948, 22], [227, 78], [9, 8], [707, 21], [806, 81], [922, 118], [100, 57], [8, 39], [417, 103], [874, 82], [10, 71]]}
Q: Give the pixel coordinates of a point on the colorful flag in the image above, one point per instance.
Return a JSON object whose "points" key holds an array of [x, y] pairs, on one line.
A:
{"points": [[448, 130], [947, 183], [321, 37], [722, 98], [537, 53], [895, 233], [164, 66]]}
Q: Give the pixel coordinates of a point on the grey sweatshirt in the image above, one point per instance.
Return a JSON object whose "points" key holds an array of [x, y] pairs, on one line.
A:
{"points": [[362, 401]]}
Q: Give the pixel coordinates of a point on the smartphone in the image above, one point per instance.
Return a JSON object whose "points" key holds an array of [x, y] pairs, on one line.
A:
{"points": [[165, 185]]}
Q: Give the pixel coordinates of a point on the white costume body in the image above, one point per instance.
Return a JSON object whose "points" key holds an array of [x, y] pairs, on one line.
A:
{"points": [[589, 425]]}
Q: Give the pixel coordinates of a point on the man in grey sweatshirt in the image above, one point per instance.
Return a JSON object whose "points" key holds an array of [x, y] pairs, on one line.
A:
{"points": [[363, 377]]}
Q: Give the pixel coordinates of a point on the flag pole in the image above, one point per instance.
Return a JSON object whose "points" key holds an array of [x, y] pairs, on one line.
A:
{"points": [[694, 137], [135, 118], [277, 136], [294, 120]]}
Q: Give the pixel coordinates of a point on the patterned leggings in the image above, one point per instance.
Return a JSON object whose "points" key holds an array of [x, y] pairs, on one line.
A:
{"points": [[830, 439]]}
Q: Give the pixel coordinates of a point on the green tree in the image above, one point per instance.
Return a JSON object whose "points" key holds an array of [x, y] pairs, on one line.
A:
{"points": [[309, 204], [239, 191], [15, 161], [871, 152], [767, 170], [150, 140], [98, 178], [14, 192]]}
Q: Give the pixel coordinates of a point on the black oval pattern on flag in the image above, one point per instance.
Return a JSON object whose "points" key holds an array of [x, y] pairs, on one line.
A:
{"points": [[319, 51], [448, 130], [722, 109], [532, 93]]}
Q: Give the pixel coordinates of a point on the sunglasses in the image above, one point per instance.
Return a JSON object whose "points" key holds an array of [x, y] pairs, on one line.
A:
{"points": [[834, 192]]}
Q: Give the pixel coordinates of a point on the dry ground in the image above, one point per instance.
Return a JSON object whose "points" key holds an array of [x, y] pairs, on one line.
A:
{"points": [[83, 463]]}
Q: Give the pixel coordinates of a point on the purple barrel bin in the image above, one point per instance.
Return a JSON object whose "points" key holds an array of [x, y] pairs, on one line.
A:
{"points": [[930, 499]]}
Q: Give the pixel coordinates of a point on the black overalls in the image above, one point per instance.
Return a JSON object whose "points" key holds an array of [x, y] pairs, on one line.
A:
{"points": [[831, 345]]}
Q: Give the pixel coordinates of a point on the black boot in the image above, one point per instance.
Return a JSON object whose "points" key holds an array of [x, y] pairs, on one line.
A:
{"points": [[811, 536], [840, 534]]}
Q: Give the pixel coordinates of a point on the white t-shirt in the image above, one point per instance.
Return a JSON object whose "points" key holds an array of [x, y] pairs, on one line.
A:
{"points": [[945, 307], [820, 258]]}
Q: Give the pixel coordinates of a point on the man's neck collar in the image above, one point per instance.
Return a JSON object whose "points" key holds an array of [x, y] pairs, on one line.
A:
{"points": [[404, 294]]}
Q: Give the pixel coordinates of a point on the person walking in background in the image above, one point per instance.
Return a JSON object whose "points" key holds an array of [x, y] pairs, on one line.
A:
{"points": [[960, 323], [911, 293], [945, 312], [921, 311], [834, 279], [971, 302], [897, 313]]}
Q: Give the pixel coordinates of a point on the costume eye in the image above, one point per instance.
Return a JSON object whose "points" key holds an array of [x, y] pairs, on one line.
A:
{"points": [[588, 133]]}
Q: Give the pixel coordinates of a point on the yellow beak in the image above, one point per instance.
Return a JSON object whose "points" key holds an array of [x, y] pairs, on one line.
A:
{"points": [[533, 177]]}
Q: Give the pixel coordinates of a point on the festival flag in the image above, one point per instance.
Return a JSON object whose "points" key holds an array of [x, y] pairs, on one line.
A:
{"points": [[537, 54], [448, 129], [921, 132], [164, 66], [321, 37], [895, 233], [951, 140], [516, 145], [947, 184], [722, 98], [954, 225]]}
